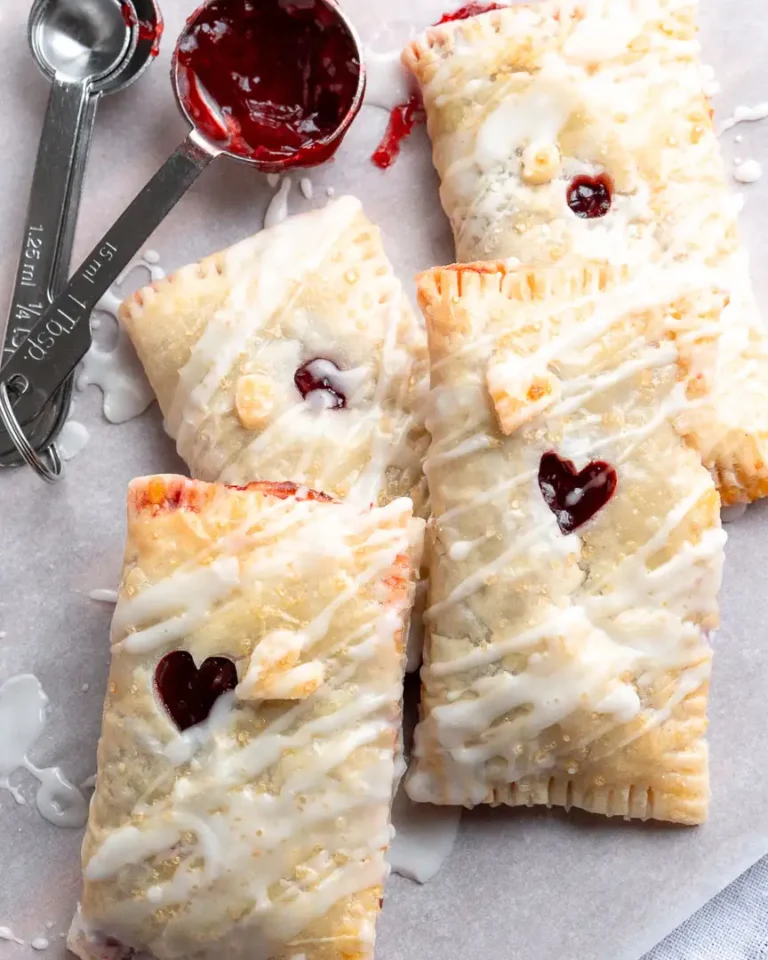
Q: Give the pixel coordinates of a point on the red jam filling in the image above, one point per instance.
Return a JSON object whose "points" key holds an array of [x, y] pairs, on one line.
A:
{"points": [[470, 10], [402, 122], [590, 197], [308, 379], [189, 694], [284, 76], [575, 497], [148, 31]]}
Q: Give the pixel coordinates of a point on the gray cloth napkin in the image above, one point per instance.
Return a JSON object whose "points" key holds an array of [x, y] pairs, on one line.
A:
{"points": [[733, 926]]}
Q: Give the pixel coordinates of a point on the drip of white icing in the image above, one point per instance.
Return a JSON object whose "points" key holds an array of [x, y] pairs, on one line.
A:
{"points": [[307, 190], [39, 943], [72, 439], [104, 595], [745, 114], [733, 513], [277, 211], [118, 372], [7, 934], [709, 82], [23, 704], [748, 171], [424, 837], [273, 179]]}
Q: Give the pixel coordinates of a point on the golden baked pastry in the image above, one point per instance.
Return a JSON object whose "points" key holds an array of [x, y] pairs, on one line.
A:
{"points": [[575, 547], [581, 130], [251, 726], [293, 355]]}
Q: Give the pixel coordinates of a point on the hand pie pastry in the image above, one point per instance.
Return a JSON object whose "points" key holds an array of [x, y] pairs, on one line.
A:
{"points": [[576, 547], [571, 131], [251, 726], [292, 356]]}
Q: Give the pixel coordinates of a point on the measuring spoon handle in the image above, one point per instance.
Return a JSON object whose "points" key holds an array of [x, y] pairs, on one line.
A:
{"points": [[67, 106], [62, 336]]}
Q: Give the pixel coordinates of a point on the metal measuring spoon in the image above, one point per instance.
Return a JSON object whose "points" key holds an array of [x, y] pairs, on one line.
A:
{"points": [[89, 49], [62, 336]]}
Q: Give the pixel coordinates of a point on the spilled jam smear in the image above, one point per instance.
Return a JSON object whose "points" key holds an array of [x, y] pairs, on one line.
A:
{"points": [[189, 693], [276, 81], [148, 31], [575, 496], [590, 197], [403, 119], [469, 10]]}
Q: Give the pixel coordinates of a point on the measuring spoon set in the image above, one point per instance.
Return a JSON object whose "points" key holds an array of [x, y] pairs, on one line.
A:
{"points": [[93, 48]]}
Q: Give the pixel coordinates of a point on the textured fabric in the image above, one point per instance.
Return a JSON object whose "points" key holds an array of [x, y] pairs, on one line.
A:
{"points": [[732, 926]]}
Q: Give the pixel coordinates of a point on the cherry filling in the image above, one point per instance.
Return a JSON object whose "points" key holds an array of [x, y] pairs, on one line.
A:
{"points": [[316, 375], [285, 76], [470, 10], [575, 497], [590, 197], [189, 694]]}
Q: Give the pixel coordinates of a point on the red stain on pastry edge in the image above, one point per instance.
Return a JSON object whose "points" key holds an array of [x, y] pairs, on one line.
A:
{"points": [[403, 120], [166, 494], [590, 197], [189, 693], [575, 496]]}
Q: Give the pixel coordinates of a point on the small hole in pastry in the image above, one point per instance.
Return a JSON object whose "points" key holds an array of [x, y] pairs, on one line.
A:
{"points": [[317, 375], [575, 496], [189, 693], [590, 197]]}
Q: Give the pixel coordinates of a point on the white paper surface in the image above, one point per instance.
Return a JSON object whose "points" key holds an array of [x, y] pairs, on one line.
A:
{"points": [[519, 885]]}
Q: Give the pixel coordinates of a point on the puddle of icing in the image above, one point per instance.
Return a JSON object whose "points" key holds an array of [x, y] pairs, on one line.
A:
{"points": [[23, 704], [424, 837], [39, 943], [735, 512], [117, 372], [388, 83], [71, 440], [104, 596], [748, 171], [277, 211], [7, 934]]}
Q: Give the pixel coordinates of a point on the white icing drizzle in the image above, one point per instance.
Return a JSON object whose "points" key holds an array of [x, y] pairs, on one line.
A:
{"points": [[104, 595], [626, 625], [117, 372], [745, 114], [7, 934], [23, 705], [424, 837], [277, 211], [307, 190], [748, 171], [72, 439], [330, 753]]}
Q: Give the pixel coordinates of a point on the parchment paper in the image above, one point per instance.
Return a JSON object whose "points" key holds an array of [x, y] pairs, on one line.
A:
{"points": [[519, 885]]}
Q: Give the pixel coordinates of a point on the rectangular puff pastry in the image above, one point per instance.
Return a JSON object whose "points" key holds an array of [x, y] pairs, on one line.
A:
{"points": [[222, 341], [261, 830], [525, 103], [576, 546]]}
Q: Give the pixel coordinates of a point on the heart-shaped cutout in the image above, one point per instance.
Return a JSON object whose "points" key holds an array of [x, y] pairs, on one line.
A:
{"points": [[575, 496], [189, 693], [590, 197]]}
